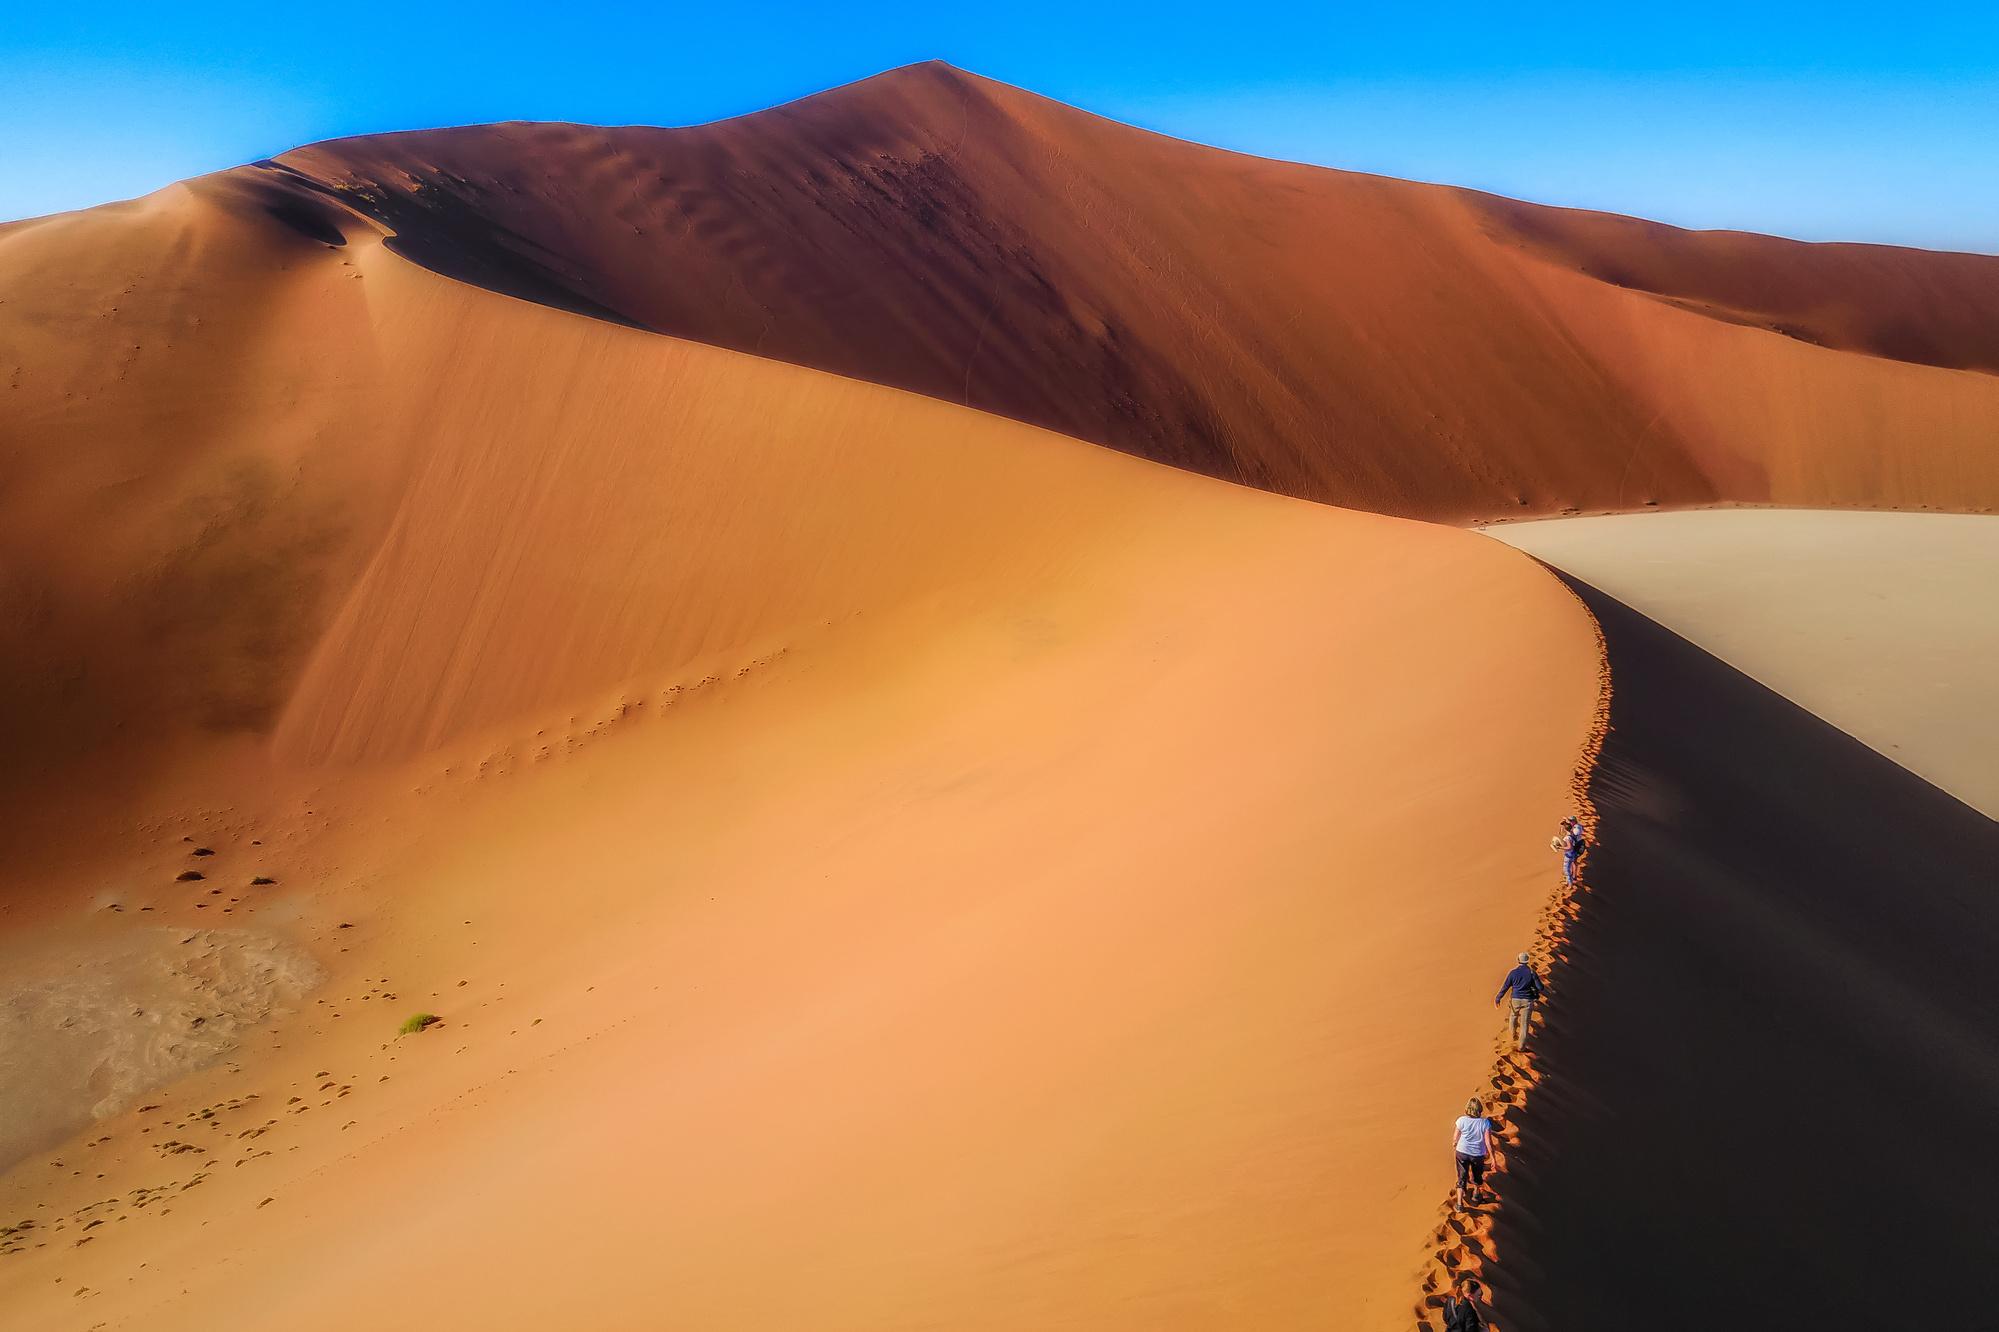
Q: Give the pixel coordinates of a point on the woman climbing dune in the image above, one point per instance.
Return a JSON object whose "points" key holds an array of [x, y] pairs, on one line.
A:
{"points": [[1472, 1139]]}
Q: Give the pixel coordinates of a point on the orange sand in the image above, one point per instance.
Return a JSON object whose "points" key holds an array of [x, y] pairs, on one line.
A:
{"points": [[879, 865]]}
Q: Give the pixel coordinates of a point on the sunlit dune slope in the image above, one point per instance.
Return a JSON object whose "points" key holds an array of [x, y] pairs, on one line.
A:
{"points": [[879, 865], [1375, 343], [1886, 625]]}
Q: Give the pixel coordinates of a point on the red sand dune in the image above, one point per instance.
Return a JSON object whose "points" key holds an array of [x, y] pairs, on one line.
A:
{"points": [[882, 865], [879, 865], [1406, 348]]}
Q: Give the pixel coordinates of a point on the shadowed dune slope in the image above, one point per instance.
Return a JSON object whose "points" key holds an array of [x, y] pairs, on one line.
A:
{"points": [[1374, 343], [199, 446], [879, 865], [1773, 1056]]}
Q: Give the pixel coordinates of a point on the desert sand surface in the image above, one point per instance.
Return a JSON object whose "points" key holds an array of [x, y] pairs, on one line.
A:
{"points": [[1368, 342], [1773, 1053], [1884, 624], [877, 864]]}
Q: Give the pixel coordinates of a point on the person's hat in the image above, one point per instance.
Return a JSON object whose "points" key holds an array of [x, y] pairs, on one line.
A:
{"points": [[1523, 957]]}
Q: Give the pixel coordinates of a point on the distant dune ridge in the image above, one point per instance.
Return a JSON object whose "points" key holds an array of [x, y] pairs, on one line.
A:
{"points": [[880, 864], [1407, 348]]}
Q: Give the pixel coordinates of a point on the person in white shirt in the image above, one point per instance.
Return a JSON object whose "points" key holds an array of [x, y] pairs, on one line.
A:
{"points": [[1471, 1138]]}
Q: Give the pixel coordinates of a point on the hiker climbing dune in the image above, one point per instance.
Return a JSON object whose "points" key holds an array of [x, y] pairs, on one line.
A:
{"points": [[1571, 841], [1471, 1141], [1521, 990]]}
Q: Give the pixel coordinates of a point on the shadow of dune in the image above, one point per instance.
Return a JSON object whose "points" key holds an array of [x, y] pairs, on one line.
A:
{"points": [[1773, 1058]]}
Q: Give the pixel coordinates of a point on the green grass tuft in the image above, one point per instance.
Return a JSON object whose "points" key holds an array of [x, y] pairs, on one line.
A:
{"points": [[417, 1023]]}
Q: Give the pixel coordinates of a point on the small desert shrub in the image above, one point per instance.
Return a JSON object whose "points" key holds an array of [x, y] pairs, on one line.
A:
{"points": [[417, 1023]]}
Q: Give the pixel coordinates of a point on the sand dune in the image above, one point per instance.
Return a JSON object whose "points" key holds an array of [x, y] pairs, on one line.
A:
{"points": [[879, 865], [1771, 1057], [1369, 342], [1882, 624]]}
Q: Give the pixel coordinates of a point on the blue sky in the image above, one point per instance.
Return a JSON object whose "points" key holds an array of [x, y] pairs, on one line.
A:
{"points": [[1817, 121]]}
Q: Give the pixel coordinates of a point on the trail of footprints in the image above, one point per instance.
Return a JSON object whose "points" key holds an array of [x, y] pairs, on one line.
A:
{"points": [[1462, 1243], [197, 1146], [224, 1135], [542, 746]]}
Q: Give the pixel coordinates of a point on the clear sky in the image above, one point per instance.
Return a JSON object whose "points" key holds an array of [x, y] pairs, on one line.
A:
{"points": [[1819, 121]]}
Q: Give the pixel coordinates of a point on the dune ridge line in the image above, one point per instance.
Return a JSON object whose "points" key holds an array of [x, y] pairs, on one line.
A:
{"points": [[1462, 1246]]}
